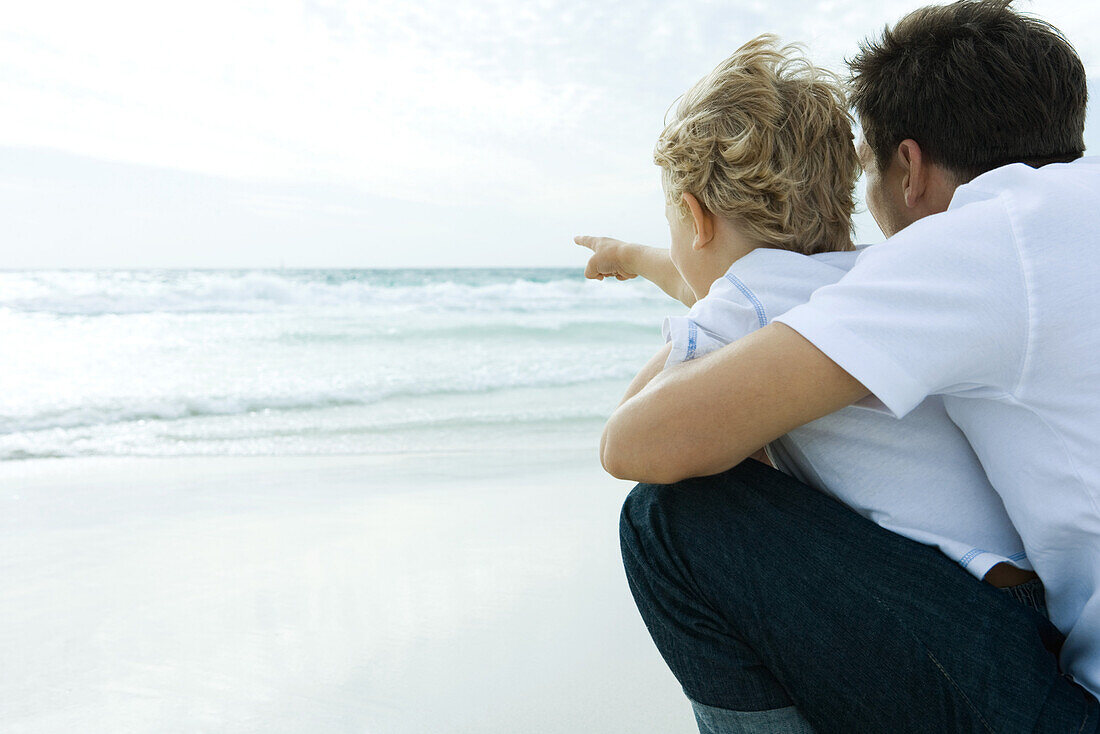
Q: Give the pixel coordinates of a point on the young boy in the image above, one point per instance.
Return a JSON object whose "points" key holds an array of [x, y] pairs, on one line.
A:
{"points": [[758, 169]]}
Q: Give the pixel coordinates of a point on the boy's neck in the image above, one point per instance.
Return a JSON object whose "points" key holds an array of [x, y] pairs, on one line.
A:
{"points": [[711, 263]]}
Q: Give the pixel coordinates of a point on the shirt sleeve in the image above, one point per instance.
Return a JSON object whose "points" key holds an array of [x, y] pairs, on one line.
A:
{"points": [[724, 315], [689, 340], [939, 308]]}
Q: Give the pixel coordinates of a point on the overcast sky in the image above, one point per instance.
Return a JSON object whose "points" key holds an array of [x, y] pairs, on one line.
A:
{"points": [[321, 133]]}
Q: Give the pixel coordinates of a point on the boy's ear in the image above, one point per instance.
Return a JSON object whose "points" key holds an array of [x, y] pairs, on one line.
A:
{"points": [[702, 221]]}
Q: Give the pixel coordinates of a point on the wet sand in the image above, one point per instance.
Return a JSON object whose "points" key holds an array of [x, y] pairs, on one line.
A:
{"points": [[414, 593]]}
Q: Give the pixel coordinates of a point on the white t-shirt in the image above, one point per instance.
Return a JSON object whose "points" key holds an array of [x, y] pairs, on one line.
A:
{"points": [[995, 304], [917, 477]]}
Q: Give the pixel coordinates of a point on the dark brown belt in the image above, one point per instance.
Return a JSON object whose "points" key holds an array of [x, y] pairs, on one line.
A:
{"points": [[1005, 574]]}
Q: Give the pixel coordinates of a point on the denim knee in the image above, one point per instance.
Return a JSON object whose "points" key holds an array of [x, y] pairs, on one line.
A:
{"points": [[650, 522], [668, 535], [635, 520], [683, 512]]}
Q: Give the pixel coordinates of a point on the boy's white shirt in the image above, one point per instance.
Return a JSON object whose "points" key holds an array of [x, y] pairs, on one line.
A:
{"points": [[995, 304], [917, 477]]}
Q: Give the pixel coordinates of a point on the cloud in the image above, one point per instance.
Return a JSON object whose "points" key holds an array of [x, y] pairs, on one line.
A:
{"points": [[445, 103]]}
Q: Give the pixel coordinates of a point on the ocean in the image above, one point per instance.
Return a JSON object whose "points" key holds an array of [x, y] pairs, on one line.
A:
{"points": [[290, 362]]}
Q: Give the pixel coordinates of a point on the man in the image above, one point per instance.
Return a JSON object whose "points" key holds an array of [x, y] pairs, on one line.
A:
{"points": [[777, 608]]}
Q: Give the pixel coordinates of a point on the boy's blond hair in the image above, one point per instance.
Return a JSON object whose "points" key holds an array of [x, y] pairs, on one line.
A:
{"points": [[765, 141]]}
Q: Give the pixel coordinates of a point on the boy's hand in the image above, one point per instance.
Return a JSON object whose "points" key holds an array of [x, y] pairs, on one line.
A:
{"points": [[609, 258], [625, 260]]}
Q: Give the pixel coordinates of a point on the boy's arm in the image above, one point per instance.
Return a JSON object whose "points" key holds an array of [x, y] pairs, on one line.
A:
{"points": [[625, 260], [647, 373]]}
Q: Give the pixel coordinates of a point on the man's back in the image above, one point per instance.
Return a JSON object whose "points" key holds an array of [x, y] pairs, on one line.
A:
{"points": [[995, 304], [1040, 443]]}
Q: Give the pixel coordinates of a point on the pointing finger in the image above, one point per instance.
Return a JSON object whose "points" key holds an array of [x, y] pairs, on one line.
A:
{"points": [[585, 241]]}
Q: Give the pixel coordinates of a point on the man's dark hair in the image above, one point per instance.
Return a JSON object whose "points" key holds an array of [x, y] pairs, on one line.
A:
{"points": [[976, 84]]}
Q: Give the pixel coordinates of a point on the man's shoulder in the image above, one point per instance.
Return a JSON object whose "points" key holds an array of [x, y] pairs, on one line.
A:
{"points": [[1019, 183], [977, 225]]}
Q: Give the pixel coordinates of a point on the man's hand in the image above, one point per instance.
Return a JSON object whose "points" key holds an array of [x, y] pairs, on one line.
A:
{"points": [[609, 258], [710, 414]]}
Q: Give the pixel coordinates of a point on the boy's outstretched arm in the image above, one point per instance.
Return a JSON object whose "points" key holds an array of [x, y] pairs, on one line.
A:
{"points": [[613, 258], [712, 413]]}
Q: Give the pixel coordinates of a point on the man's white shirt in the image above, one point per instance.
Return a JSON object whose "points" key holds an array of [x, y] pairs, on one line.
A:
{"points": [[995, 304], [917, 477]]}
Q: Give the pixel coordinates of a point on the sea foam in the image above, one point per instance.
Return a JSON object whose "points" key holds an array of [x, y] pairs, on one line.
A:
{"points": [[127, 292], [223, 362]]}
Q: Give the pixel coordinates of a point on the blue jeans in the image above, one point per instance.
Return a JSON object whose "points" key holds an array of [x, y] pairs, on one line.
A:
{"points": [[762, 593]]}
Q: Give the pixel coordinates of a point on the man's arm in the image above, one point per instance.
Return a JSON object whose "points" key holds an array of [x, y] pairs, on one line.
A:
{"points": [[712, 413], [626, 260]]}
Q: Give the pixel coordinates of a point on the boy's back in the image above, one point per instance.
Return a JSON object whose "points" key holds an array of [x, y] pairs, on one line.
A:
{"points": [[917, 477]]}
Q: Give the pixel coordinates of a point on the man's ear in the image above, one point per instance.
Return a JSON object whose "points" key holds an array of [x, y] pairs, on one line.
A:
{"points": [[927, 188], [702, 221], [914, 173]]}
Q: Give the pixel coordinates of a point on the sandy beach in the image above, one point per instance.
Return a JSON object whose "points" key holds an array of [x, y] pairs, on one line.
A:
{"points": [[462, 592]]}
